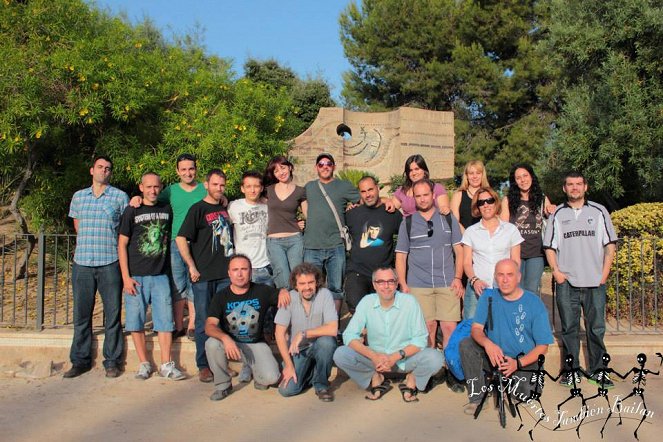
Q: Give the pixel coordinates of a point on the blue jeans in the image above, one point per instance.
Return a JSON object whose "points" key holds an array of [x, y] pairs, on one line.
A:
{"points": [[592, 301], [284, 255], [312, 366], [422, 364], [154, 290], [470, 302], [531, 270], [181, 281], [202, 295], [332, 262], [85, 283], [262, 275]]}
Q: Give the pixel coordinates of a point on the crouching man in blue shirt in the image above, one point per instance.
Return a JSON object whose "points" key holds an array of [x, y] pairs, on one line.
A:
{"points": [[397, 337]]}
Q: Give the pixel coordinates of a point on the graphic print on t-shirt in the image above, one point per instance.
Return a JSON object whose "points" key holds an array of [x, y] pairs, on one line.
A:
{"points": [[528, 225], [221, 234], [151, 242], [243, 317], [519, 317], [370, 236]]}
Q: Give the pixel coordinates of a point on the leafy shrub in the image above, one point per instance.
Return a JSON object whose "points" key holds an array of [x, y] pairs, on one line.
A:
{"points": [[354, 175]]}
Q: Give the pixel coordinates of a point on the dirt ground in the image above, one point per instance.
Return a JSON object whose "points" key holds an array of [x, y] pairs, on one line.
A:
{"points": [[92, 407]]}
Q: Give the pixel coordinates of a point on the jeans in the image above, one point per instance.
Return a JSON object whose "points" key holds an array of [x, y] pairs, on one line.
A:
{"points": [[356, 287], [470, 302], [476, 365], [592, 301], [531, 270], [284, 255], [422, 364], [85, 283], [262, 275], [258, 356], [181, 281], [202, 295], [154, 290], [332, 262], [312, 366]]}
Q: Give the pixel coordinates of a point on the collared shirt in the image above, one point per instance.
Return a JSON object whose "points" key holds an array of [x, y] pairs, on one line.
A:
{"points": [[488, 250], [322, 312], [388, 330], [98, 224]]}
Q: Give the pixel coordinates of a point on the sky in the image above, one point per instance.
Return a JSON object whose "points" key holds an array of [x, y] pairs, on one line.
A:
{"points": [[300, 34]]}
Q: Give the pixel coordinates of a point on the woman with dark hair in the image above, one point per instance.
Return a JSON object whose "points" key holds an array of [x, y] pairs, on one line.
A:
{"points": [[527, 207], [285, 243], [415, 170], [484, 245], [474, 177]]}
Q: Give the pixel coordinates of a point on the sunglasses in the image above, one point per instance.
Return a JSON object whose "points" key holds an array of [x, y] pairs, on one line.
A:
{"points": [[325, 164], [430, 228], [486, 201]]}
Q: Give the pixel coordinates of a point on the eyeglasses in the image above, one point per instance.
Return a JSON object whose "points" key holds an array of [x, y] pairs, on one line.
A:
{"points": [[486, 201], [325, 164], [385, 282], [430, 228]]}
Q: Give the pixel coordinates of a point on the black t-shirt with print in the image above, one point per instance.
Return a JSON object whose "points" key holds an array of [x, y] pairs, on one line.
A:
{"points": [[148, 230]]}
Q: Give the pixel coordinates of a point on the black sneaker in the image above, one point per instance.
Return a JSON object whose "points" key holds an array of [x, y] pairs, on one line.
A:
{"points": [[454, 384], [601, 379], [567, 380]]}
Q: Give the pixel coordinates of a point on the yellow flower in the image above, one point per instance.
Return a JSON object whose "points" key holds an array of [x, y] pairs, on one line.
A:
{"points": [[83, 112], [95, 86], [138, 45], [89, 121], [38, 134], [128, 166]]}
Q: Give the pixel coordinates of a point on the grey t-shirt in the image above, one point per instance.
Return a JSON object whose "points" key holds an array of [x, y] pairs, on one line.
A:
{"points": [[579, 236], [294, 315], [321, 228], [430, 259]]}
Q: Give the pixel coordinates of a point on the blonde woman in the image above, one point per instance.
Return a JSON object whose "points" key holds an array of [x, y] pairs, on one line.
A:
{"points": [[474, 177]]}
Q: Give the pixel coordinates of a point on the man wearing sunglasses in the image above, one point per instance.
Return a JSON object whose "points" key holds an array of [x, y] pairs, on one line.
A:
{"points": [[434, 275]]}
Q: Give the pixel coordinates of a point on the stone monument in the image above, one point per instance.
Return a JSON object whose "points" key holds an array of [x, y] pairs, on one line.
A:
{"points": [[377, 142]]}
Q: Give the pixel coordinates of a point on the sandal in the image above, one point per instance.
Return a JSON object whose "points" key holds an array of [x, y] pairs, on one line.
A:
{"points": [[411, 391], [382, 389]]}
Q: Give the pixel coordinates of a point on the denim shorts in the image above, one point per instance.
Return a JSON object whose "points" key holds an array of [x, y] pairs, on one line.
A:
{"points": [[153, 290]]}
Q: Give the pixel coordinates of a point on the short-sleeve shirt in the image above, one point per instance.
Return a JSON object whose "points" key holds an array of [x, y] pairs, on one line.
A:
{"points": [[98, 224], [579, 237], [430, 259], [488, 250], [209, 232], [408, 205], [530, 225], [243, 316], [283, 213], [250, 228], [322, 312], [148, 230], [390, 330], [372, 230], [321, 228], [518, 326], [181, 201]]}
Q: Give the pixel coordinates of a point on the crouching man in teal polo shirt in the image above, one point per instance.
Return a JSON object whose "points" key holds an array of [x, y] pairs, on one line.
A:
{"points": [[397, 338]]}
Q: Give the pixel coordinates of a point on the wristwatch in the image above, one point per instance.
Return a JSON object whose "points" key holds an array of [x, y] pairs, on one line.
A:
{"points": [[402, 353]]}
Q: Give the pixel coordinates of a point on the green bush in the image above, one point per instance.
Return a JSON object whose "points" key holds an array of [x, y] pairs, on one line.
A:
{"points": [[637, 271], [354, 175]]}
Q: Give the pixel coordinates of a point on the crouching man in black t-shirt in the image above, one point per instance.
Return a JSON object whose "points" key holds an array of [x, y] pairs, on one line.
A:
{"points": [[236, 316]]}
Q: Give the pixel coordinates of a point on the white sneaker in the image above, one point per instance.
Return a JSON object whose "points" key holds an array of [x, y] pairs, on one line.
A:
{"points": [[169, 371], [144, 371]]}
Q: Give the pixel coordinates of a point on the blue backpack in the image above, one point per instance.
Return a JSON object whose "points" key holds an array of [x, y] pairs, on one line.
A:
{"points": [[452, 351]]}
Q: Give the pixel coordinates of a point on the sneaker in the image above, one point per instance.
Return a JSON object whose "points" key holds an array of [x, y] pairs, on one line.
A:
{"points": [[567, 380], [601, 379], [191, 334], [219, 395], [144, 371], [245, 374], [454, 384], [169, 371], [112, 372]]}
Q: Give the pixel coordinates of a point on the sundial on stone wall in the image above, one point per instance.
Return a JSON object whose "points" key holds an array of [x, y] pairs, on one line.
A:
{"points": [[376, 142]]}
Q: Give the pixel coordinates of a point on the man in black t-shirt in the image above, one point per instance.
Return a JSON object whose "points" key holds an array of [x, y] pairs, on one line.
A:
{"points": [[372, 229], [205, 243], [143, 257], [236, 316]]}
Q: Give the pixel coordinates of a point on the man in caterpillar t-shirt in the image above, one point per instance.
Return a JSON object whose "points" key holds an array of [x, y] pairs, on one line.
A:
{"points": [[236, 317], [205, 243], [580, 246]]}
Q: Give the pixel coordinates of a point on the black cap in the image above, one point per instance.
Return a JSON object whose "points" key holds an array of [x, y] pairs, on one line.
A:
{"points": [[325, 155]]}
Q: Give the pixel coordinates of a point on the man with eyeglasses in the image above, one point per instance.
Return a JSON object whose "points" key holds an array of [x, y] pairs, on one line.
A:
{"points": [[434, 274], [323, 245], [396, 341]]}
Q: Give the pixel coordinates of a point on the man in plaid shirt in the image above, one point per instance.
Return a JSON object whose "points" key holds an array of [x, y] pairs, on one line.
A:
{"points": [[96, 212]]}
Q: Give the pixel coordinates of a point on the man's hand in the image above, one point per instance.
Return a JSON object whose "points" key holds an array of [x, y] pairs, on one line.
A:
{"points": [[294, 344], [130, 285], [560, 278], [136, 202], [232, 351], [494, 353], [194, 273], [288, 373], [284, 298], [457, 287], [508, 366], [388, 205], [381, 362]]}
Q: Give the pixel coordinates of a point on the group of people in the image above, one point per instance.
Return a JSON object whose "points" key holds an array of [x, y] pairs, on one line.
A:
{"points": [[285, 248]]}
